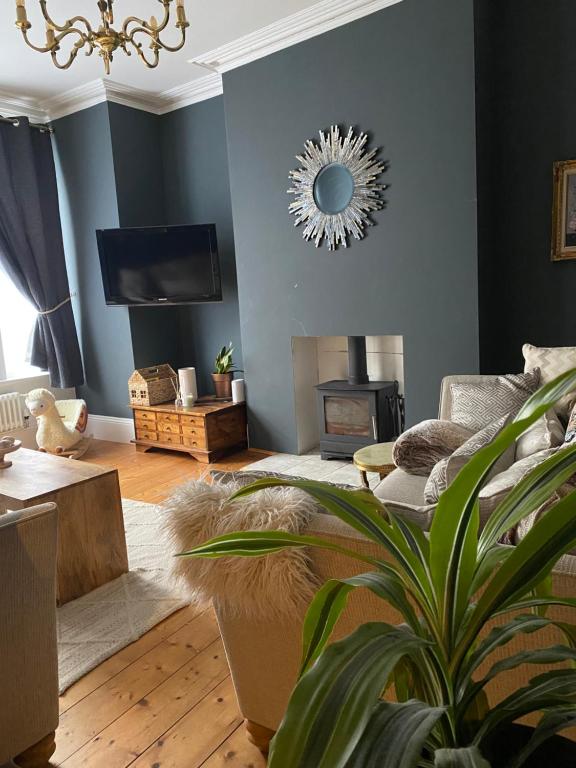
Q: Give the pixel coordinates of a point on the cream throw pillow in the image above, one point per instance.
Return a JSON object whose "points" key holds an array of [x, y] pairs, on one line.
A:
{"points": [[552, 361], [477, 404], [547, 432]]}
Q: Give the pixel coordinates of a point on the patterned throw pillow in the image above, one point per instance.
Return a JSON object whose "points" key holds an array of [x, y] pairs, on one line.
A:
{"points": [[446, 470], [552, 361], [477, 405], [547, 432], [420, 448]]}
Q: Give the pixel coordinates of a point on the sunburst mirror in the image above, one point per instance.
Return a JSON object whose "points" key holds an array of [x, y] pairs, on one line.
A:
{"points": [[335, 190]]}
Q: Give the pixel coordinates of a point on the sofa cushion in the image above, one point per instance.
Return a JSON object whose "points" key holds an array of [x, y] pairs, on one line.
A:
{"points": [[401, 487], [446, 470], [421, 447], [478, 405], [552, 361], [547, 432]]}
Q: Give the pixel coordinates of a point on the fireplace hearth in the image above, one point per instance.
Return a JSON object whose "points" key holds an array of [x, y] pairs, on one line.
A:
{"points": [[357, 412]]}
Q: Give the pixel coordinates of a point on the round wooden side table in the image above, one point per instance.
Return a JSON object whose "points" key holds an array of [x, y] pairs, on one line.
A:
{"points": [[374, 458]]}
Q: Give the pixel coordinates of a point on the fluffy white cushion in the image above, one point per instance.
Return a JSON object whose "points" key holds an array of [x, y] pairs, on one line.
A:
{"points": [[547, 432], [276, 584], [421, 447]]}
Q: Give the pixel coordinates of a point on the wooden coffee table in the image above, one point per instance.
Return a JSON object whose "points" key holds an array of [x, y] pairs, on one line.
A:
{"points": [[374, 458], [91, 538]]}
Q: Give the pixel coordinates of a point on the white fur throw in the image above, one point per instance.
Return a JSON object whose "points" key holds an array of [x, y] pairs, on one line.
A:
{"points": [[277, 584]]}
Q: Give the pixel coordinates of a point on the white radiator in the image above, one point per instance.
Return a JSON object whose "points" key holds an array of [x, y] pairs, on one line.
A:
{"points": [[13, 412]]}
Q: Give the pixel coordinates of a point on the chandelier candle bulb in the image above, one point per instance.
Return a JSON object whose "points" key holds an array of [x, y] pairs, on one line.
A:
{"points": [[50, 36], [21, 17]]}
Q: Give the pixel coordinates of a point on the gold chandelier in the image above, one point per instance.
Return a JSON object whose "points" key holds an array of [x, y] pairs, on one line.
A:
{"points": [[106, 39]]}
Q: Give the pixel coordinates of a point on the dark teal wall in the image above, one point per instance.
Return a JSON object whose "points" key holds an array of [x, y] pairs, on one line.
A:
{"points": [[88, 201], [113, 163], [406, 75], [139, 176], [197, 191], [526, 121]]}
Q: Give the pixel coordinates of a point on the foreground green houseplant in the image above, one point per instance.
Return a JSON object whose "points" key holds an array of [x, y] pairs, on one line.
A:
{"points": [[447, 587]]}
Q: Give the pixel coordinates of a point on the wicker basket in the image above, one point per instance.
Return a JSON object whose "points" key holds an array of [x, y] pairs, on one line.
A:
{"points": [[150, 386]]}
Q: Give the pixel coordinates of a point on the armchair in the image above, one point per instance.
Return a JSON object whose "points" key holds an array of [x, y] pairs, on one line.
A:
{"points": [[28, 651]]}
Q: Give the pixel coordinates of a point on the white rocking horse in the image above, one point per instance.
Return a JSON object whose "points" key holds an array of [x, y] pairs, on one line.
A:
{"points": [[61, 424]]}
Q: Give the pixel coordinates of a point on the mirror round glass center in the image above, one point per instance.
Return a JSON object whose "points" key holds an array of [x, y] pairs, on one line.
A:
{"points": [[333, 188]]}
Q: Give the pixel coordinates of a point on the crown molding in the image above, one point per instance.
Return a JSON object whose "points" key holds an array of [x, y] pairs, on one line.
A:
{"points": [[191, 93], [14, 106], [310, 22]]}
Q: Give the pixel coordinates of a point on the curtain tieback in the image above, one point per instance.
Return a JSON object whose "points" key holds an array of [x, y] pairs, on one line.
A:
{"points": [[58, 306]]}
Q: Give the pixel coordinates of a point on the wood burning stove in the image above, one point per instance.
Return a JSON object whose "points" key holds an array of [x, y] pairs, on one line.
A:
{"points": [[357, 412]]}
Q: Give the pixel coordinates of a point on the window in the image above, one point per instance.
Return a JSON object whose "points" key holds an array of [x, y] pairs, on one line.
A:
{"points": [[17, 318]]}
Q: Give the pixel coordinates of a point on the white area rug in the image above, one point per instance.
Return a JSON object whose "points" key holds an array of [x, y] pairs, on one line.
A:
{"points": [[98, 625], [312, 467]]}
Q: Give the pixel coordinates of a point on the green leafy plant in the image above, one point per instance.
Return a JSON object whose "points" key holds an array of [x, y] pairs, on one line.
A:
{"points": [[223, 362], [447, 586]]}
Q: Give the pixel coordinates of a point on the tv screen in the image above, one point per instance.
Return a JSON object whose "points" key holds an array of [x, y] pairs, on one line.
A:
{"points": [[160, 265]]}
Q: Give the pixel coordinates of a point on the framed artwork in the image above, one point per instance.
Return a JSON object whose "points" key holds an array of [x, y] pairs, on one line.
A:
{"points": [[564, 212]]}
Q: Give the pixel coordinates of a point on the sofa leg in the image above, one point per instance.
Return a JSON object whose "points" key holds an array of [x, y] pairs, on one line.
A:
{"points": [[259, 735], [38, 756]]}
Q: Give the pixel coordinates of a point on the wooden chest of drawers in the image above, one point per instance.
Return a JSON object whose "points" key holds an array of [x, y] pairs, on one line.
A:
{"points": [[206, 431]]}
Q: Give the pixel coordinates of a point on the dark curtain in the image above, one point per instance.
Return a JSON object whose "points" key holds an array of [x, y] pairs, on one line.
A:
{"points": [[31, 249]]}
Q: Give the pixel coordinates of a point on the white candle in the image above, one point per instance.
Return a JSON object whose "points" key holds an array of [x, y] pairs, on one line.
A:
{"points": [[238, 391], [188, 384]]}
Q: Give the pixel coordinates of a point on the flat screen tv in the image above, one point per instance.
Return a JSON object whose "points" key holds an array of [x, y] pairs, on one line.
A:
{"points": [[156, 266]]}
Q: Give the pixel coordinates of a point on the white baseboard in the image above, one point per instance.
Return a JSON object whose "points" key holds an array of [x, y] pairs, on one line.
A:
{"points": [[112, 428]]}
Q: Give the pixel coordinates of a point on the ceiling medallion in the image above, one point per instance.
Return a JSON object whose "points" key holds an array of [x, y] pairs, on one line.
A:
{"points": [[335, 190], [134, 32]]}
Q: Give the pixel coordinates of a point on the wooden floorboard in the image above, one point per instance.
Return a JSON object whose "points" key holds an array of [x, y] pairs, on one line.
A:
{"points": [[166, 700]]}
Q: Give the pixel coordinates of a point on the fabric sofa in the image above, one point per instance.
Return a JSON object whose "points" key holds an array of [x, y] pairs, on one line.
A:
{"points": [[28, 651], [264, 654]]}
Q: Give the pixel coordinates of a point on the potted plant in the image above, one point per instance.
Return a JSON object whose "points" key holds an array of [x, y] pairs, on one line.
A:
{"points": [[223, 372], [448, 586]]}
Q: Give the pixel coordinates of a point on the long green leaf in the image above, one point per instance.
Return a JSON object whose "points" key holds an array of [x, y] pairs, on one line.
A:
{"points": [[552, 689], [334, 701], [366, 514], [331, 599], [530, 493], [470, 757], [551, 723], [395, 736], [536, 602], [454, 529], [259, 543], [554, 655], [528, 564], [498, 637]]}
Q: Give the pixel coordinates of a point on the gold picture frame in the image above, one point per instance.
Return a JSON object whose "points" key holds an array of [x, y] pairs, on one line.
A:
{"points": [[564, 211]]}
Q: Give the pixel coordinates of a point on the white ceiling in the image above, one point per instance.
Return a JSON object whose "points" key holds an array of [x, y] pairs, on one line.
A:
{"points": [[25, 73]]}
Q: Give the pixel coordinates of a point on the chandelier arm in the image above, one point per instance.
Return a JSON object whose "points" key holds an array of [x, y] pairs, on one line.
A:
{"points": [[51, 48], [144, 25], [69, 22], [73, 54], [140, 52], [174, 48]]}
